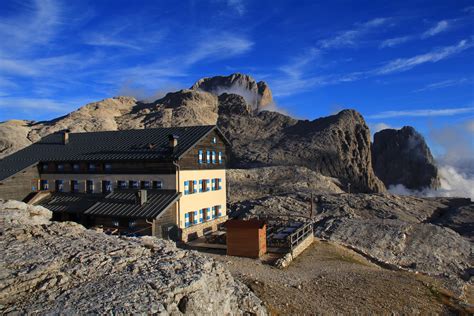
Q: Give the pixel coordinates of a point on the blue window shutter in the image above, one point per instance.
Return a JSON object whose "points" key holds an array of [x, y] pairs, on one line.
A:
{"points": [[207, 184], [208, 156], [220, 180], [200, 186], [200, 157], [186, 187], [220, 157], [195, 217], [186, 215], [213, 184], [195, 186]]}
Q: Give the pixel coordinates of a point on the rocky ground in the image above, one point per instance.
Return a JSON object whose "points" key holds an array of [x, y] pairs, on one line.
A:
{"points": [[331, 279], [428, 235], [62, 268]]}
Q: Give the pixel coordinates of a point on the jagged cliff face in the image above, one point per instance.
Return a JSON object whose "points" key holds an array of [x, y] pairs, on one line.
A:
{"points": [[403, 157], [336, 146]]}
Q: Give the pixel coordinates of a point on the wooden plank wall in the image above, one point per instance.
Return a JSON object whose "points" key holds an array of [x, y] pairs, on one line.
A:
{"points": [[246, 242], [18, 186], [190, 160]]}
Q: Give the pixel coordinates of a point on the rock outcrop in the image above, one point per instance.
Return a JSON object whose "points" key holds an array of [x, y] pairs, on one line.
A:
{"points": [[62, 268], [336, 146], [257, 94], [428, 235], [403, 157]]}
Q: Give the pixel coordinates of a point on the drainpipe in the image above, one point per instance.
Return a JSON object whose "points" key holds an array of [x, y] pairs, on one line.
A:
{"points": [[178, 169]]}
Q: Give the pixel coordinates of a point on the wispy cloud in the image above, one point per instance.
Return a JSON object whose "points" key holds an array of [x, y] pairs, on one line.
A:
{"points": [[218, 46], [392, 42], [444, 84], [46, 104], [403, 64], [102, 40], [441, 26], [421, 113], [350, 38], [237, 5]]}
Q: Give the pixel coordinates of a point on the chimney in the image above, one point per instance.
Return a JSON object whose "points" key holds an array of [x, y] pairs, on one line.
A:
{"points": [[141, 196], [65, 137], [173, 140]]}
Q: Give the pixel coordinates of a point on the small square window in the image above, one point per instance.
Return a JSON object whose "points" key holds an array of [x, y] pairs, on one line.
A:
{"points": [[92, 167], [76, 167], [122, 184], [157, 184], [133, 184], [108, 167], [60, 167], [214, 140], [45, 167], [145, 184]]}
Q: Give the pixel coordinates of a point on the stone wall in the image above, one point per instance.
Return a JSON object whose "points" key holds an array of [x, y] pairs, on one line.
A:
{"points": [[198, 230]]}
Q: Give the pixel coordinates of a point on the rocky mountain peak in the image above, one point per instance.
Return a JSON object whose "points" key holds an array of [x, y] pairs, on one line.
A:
{"points": [[257, 95], [403, 157]]}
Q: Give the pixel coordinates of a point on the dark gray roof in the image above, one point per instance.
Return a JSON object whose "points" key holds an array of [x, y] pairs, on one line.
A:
{"points": [[69, 202], [122, 203], [106, 146]]}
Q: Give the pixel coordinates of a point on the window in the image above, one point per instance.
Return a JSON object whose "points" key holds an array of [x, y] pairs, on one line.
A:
{"points": [[204, 185], [60, 167], [200, 156], [44, 185], [92, 167], [190, 218], [76, 167], [214, 159], [206, 214], [208, 156], [220, 157], [108, 167], [44, 167], [89, 186], [106, 186], [214, 140], [157, 184], [115, 223], [132, 224], [145, 184], [216, 211], [74, 186], [190, 187], [121, 184], [216, 184], [133, 184], [59, 185]]}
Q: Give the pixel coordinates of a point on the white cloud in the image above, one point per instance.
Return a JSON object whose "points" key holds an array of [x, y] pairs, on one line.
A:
{"points": [[443, 84], [45, 104], [441, 26], [377, 127], [391, 42], [217, 46], [403, 64], [102, 40], [350, 37], [36, 26], [237, 5], [422, 113]]}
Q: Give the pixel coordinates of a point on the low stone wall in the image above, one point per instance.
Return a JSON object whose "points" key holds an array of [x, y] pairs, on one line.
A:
{"points": [[285, 261], [199, 228]]}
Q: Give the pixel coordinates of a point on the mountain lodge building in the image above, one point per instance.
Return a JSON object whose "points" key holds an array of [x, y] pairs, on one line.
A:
{"points": [[166, 182]]}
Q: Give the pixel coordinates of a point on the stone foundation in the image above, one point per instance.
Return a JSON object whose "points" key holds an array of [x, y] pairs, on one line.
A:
{"points": [[285, 261], [198, 229]]}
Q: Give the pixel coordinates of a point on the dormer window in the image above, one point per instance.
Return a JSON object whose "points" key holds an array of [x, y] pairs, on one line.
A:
{"points": [[76, 167], [214, 140], [108, 167], [44, 167], [92, 167], [60, 167]]}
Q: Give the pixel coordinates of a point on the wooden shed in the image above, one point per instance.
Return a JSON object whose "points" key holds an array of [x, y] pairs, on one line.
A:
{"points": [[246, 238]]}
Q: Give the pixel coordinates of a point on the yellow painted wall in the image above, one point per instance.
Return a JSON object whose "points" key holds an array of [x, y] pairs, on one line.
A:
{"points": [[197, 201]]}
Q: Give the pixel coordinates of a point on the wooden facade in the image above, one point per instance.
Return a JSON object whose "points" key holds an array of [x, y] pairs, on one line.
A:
{"points": [[20, 185], [246, 238]]}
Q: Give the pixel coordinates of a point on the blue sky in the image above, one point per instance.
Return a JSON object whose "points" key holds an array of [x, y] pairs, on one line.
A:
{"points": [[398, 63]]}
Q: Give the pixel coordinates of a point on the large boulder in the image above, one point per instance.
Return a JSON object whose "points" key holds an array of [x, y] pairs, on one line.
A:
{"points": [[62, 268], [403, 157]]}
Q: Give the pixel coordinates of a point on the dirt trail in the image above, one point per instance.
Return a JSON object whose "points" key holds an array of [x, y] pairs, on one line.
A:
{"points": [[330, 279]]}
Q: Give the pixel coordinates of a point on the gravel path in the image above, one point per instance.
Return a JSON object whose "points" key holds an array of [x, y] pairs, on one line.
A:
{"points": [[331, 279]]}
